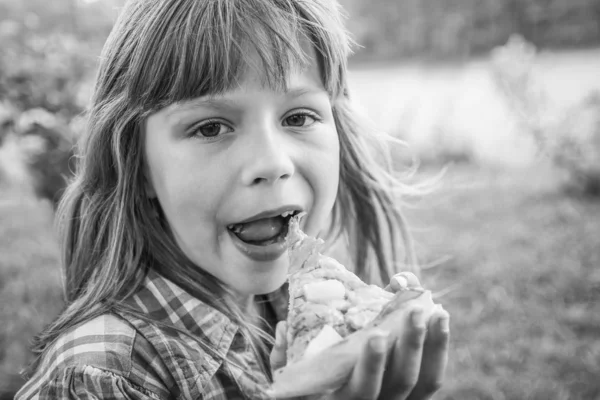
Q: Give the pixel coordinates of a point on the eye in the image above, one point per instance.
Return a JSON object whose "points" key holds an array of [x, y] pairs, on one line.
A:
{"points": [[210, 129], [300, 119]]}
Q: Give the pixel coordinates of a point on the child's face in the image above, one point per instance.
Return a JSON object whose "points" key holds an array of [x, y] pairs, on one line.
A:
{"points": [[219, 161]]}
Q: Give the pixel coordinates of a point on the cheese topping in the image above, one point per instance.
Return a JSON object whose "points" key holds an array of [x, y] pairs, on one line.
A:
{"points": [[325, 292], [327, 337]]}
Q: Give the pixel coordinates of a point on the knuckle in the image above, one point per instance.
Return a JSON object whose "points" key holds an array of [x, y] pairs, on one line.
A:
{"points": [[406, 385], [417, 337], [364, 396], [443, 337], [374, 359], [363, 391], [433, 386], [419, 331]]}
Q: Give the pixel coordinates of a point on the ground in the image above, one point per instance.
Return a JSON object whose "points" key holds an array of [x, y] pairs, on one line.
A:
{"points": [[516, 262]]}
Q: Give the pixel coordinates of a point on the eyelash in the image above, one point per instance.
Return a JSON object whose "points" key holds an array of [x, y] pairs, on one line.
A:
{"points": [[194, 130], [304, 113]]}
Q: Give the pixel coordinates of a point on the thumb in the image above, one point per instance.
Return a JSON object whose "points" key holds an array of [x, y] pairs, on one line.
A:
{"points": [[278, 354]]}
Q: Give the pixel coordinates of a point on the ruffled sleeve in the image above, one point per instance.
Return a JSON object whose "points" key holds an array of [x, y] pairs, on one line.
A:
{"points": [[87, 382]]}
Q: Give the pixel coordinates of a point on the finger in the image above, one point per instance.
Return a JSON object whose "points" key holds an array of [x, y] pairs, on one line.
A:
{"points": [[278, 354], [404, 364], [435, 356], [403, 281], [365, 381]]}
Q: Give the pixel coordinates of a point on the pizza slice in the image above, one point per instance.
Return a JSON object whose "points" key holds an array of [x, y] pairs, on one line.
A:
{"points": [[330, 308]]}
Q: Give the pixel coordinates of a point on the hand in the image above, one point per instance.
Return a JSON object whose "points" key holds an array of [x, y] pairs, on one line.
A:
{"points": [[412, 369], [416, 365]]}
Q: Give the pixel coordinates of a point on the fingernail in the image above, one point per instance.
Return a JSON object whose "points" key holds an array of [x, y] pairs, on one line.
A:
{"points": [[401, 281], [378, 343], [411, 279], [416, 318]]}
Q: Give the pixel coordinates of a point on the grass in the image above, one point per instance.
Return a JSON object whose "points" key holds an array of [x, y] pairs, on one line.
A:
{"points": [[520, 277], [30, 294], [512, 258]]}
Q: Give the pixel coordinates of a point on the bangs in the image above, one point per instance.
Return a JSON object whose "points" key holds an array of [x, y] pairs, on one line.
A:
{"points": [[187, 49]]}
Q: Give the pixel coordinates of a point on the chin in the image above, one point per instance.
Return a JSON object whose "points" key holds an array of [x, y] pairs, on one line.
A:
{"points": [[260, 287]]}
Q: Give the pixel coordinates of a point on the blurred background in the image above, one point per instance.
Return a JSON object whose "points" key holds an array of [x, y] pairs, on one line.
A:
{"points": [[503, 95]]}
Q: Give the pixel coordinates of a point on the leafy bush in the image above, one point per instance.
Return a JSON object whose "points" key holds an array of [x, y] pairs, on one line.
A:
{"points": [[571, 136], [49, 72], [44, 94], [44, 143]]}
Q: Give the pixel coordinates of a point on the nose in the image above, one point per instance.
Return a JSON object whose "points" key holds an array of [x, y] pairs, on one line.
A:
{"points": [[268, 158]]}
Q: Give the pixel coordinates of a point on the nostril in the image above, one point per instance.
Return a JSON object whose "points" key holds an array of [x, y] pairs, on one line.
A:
{"points": [[263, 180]]}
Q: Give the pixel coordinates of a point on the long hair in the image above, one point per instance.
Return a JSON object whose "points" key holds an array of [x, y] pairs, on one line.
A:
{"points": [[165, 51]]}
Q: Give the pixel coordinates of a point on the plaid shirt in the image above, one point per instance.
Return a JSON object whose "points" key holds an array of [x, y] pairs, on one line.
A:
{"points": [[122, 357]]}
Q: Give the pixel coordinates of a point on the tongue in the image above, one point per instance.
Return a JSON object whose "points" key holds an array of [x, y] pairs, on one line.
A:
{"points": [[259, 230]]}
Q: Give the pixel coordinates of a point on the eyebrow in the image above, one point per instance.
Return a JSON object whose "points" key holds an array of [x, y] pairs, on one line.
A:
{"points": [[223, 104], [211, 102], [297, 92]]}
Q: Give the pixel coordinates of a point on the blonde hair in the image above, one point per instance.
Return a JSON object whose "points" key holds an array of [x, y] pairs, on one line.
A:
{"points": [[165, 51]]}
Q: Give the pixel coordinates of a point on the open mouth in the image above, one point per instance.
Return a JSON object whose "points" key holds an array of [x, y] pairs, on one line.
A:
{"points": [[264, 231]]}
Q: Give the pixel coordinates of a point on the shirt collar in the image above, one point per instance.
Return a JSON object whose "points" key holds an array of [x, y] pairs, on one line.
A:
{"points": [[169, 304]]}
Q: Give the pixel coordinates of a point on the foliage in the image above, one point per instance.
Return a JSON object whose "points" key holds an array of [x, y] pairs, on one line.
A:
{"points": [[514, 261], [43, 95], [533, 298], [571, 137], [30, 291], [56, 44], [45, 143], [458, 28]]}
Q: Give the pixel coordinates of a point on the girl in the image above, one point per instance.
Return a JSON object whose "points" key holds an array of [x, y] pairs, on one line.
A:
{"points": [[212, 121]]}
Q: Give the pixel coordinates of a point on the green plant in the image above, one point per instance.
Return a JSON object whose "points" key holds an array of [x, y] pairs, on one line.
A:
{"points": [[43, 95], [569, 136]]}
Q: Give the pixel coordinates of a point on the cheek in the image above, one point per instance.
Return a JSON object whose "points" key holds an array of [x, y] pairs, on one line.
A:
{"points": [[190, 204], [325, 171], [329, 172], [330, 167], [189, 200]]}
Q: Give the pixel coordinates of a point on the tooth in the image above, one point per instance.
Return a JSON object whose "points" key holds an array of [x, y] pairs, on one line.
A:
{"points": [[235, 228]]}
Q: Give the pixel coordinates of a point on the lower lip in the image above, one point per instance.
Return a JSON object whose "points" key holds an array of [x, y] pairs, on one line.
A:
{"points": [[269, 252]]}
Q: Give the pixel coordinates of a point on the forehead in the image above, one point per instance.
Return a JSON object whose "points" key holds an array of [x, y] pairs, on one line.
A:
{"points": [[299, 80], [299, 76], [208, 58]]}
